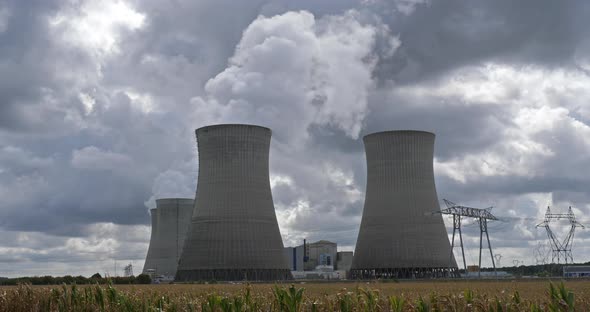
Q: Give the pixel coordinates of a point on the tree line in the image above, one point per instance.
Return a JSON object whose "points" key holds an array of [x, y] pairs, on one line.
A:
{"points": [[78, 280]]}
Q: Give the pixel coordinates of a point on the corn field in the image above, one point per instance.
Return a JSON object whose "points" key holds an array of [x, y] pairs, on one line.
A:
{"points": [[292, 298]]}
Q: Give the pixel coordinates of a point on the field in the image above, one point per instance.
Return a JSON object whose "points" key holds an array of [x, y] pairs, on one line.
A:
{"points": [[518, 295]]}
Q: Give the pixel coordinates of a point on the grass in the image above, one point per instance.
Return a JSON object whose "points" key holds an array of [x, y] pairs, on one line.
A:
{"points": [[403, 296]]}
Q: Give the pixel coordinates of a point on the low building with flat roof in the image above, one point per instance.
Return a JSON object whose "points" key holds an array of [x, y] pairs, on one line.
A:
{"points": [[576, 271]]}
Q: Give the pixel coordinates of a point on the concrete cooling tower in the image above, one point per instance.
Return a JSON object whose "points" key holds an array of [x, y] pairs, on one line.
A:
{"points": [[234, 234], [170, 222], [399, 237]]}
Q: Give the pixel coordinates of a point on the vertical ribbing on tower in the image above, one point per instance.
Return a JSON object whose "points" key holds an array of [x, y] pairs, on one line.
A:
{"points": [[399, 236], [170, 222], [234, 232]]}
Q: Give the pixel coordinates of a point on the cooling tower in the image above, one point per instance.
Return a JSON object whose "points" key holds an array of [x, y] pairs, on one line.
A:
{"points": [[170, 222], [399, 236], [234, 234]]}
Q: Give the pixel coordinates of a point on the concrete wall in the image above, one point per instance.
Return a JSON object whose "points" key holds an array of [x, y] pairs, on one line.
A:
{"points": [[398, 233], [170, 221], [234, 233], [344, 260]]}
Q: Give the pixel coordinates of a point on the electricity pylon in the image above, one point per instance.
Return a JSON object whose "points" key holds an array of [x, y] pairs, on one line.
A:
{"points": [[560, 250], [482, 215]]}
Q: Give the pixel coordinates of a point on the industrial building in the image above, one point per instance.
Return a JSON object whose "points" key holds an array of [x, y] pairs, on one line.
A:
{"points": [[234, 233], [573, 271], [399, 236], [170, 221], [318, 260]]}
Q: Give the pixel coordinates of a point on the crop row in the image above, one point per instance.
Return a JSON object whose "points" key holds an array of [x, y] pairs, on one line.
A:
{"points": [[280, 298]]}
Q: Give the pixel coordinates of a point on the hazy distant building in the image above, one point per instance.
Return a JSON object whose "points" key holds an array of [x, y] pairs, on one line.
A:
{"points": [[320, 253], [295, 257], [170, 221], [572, 271], [234, 234], [399, 236], [319, 256], [344, 261]]}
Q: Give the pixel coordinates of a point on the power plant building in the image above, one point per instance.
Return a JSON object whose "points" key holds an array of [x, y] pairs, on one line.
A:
{"points": [[234, 233], [321, 257], [295, 257], [170, 221], [399, 237]]}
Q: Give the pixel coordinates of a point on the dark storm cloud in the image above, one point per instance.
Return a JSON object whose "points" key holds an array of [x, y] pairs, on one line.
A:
{"points": [[25, 52], [442, 35], [181, 46], [447, 118], [47, 122], [102, 185]]}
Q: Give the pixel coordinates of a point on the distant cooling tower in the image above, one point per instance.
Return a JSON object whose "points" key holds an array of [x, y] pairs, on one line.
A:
{"points": [[170, 221], [234, 234], [399, 237]]}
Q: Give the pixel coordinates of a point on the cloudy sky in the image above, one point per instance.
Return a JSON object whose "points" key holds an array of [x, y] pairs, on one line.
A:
{"points": [[99, 101]]}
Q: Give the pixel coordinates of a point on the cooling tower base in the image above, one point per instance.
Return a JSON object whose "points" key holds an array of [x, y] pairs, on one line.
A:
{"points": [[233, 275], [404, 273]]}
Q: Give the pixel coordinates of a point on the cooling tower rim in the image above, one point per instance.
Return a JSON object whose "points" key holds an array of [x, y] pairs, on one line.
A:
{"points": [[392, 132], [231, 125], [162, 202]]}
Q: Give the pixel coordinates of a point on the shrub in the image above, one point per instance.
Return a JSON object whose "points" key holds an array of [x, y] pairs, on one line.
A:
{"points": [[143, 279]]}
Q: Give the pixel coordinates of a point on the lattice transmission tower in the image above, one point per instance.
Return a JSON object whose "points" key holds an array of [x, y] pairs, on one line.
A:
{"points": [[498, 257], [560, 250], [482, 215], [540, 253], [128, 270]]}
